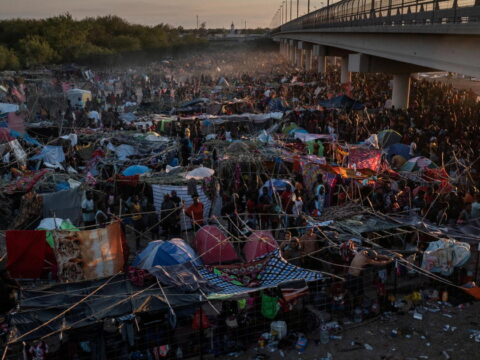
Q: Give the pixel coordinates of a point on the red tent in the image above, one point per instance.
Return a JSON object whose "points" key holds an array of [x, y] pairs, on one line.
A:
{"points": [[213, 246], [258, 244]]}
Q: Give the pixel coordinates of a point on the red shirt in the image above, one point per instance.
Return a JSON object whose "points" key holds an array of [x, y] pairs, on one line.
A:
{"points": [[195, 211]]}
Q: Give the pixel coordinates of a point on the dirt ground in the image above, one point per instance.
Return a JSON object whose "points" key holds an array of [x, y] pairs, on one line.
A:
{"points": [[415, 339]]}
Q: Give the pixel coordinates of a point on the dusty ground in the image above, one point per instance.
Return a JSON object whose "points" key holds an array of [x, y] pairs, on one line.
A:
{"points": [[416, 339]]}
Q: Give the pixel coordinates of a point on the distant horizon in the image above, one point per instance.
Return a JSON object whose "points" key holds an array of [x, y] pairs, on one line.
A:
{"points": [[132, 22], [216, 13]]}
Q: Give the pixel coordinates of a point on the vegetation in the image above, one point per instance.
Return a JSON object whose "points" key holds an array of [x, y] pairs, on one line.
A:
{"points": [[61, 39]]}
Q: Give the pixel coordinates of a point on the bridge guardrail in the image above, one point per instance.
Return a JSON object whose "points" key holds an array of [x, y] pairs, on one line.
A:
{"points": [[387, 13]]}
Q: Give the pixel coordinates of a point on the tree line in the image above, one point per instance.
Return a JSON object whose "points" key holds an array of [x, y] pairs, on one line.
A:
{"points": [[27, 43]]}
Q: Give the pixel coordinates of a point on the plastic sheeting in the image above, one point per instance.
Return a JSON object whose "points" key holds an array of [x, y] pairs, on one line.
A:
{"points": [[182, 192]]}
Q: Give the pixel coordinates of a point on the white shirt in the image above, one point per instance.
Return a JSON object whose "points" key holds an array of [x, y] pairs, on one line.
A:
{"points": [[88, 205]]}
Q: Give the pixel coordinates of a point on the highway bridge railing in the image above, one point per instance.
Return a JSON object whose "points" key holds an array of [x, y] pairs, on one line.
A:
{"points": [[348, 13]]}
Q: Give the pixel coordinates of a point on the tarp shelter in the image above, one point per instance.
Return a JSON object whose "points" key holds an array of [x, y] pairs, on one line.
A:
{"points": [[89, 254], [136, 170], [273, 271], [65, 203], [276, 185], [417, 163], [39, 305], [342, 102], [200, 173], [78, 97], [166, 253], [28, 254], [388, 137], [50, 154], [259, 243], [398, 149], [213, 246], [364, 158], [50, 224], [183, 193]]}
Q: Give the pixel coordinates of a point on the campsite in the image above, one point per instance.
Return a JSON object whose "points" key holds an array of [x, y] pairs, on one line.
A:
{"points": [[226, 204]]}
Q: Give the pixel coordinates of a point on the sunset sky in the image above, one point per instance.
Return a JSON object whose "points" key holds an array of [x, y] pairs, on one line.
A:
{"points": [[216, 13]]}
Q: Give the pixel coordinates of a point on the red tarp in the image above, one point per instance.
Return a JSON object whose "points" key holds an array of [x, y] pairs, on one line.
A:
{"points": [[28, 254], [213, 246], [365, 158], [258, 244]]}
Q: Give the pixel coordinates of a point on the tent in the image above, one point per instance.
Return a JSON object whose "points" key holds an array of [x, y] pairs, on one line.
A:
{"points": [[342, 102], [213, 246], [417, 163], [166, 253], [398, 149], [78, 97], [388, 137], [258, 244], [277, 185], [136, 170]]}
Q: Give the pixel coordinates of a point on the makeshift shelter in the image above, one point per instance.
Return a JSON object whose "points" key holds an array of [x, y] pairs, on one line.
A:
{"points": [[342, 102], [418, 163], [78, 97], [136, 170], [275, 185], [166, 253], [398, 149], [444, 255], [199, 173], [213, 246], [184, 194], [258, 244], [269, 271], [388, 137], [39, 305], [50, 224]]}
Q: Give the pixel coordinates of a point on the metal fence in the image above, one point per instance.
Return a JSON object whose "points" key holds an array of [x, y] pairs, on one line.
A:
{"points": [[387, 13]]}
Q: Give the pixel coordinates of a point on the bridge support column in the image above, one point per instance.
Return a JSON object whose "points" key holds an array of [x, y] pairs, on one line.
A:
{"points": [[308, 60], [320, 52], [401, 91], [293, 51], [345, 75]]}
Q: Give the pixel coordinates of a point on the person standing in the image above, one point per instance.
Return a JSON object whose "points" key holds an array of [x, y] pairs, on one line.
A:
{"points": [[136, 208], [195, 212], [88, 210], [355, 271]]}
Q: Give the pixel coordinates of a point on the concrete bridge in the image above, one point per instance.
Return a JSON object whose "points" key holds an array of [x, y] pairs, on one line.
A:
{"points": [[399, 37]]}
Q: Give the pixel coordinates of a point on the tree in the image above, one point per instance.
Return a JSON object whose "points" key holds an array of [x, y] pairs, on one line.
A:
{"points": [[8, 59], [35, 50]]}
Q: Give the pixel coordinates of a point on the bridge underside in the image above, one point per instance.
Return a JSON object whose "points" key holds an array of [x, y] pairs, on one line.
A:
{"points": [[439, 51]]}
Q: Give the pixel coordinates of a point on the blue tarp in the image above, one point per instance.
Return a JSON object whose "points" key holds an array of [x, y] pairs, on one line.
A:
{"points": [[398, 149], [342, 102], [136, 170], [25, 137]]}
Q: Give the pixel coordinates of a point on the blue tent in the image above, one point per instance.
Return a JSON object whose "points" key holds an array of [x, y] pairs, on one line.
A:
{"points": [[136, 170], [342, 102], [398, 149], [166, 253]]}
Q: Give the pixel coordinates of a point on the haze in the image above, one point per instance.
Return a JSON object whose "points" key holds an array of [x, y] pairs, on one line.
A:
{"points": [[216, 13]]}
